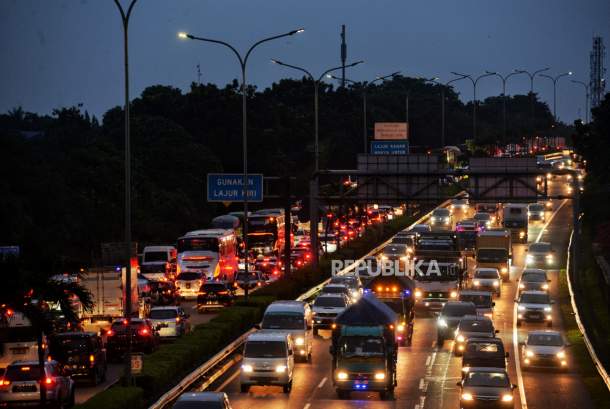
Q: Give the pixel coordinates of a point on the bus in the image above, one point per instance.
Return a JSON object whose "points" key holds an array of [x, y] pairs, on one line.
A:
{"points": [[211, 252], [266, 234]]}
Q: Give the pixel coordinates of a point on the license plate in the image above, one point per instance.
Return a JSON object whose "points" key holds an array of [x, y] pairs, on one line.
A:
{"points": [[188, 285]]}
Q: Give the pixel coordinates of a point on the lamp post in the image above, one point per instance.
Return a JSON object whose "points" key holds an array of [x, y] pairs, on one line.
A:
{"points": [[408, 95], [316, 86], [474, 100], [243, 61], [586, 86], [555, 79], [365, 85], [435, 81], [532, 75], [504, 79]]}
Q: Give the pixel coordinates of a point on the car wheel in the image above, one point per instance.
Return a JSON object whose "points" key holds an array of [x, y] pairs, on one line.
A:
{"points": [[244, 388]]}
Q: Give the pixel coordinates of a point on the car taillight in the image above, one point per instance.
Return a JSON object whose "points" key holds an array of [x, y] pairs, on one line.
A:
{"points": [[4, 383], [177, 320], [144, 332], [92, 358], [49, 381], [202, 293], [223, 292], [110, 333]]}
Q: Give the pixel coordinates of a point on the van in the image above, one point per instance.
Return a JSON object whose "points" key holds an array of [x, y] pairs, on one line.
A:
{"points": [[156, 261], [294, 318], [268, 359]]}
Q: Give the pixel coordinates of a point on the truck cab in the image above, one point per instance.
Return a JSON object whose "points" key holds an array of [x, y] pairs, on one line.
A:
{"points": [[515, 219]]}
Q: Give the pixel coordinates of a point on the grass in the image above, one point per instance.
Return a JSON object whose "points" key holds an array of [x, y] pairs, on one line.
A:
{"points": [[587, 370]]}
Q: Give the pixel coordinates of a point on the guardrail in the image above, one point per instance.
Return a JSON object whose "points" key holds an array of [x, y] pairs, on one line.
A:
{"points": [[581, 328], [230, 349]]}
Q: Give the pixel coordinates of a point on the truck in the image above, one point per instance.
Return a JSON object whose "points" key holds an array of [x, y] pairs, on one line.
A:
{"points": [[397, 293], [364, 349], [514, 218], [494, 250], [439, 269], [107, 286]]}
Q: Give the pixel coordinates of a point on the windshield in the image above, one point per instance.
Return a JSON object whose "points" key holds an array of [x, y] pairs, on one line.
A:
{"points": [[491, 379], [403, 240], [486, 274], [361, 347], [20, 373], [483, 347], [458, 310], [534, 277], [479, 300], [534, 298], [553, 340], [540, 247], [151, 256], [441, 213], [329, 302], [69, 345], [188, 276], [265, 349], [331, 289], [163, 314], [476, 326], [492, 255], [536, 208], [482, 216], [198, 244], [391, 250], [430, 272], [283, 321], [213, 287]]}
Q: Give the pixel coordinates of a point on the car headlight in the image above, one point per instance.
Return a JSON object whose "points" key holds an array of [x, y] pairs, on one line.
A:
{"points": [[529, 258], [460, 338], [507, 397], [561, 354], [496, 283], [342, 375], [477, 283], [545, 286], [466, 369], [379, 376], [453, 294], [247, 368], [504, 270], [404, 258], [522, 286], [280, 368], [529, 353], [520, 308], [417, 293], [400, 327], [299, 341], [521, 234], [467, 396], [433, 219], [547, 309], [442, 322]]}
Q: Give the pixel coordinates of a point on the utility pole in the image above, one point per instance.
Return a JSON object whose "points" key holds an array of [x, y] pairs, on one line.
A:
{"points": [[343, 55], [199, 74]]}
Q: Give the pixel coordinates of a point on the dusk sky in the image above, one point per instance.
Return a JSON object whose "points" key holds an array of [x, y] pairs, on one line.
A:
{"points": [[58, 53]]}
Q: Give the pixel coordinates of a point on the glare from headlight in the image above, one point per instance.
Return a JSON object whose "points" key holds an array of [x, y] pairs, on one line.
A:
{"points": [[460, 338], [521, 286], [400, 327], [466, 369], [545, 286], [521, 234], [247, 368], [477, 283], [341, 375], [507, 397], [561, 354], [417, 293], [300, 341], [466, 396], [547, 309], [280, 368], [529, 354], [504, 270], [442, 322], [521, 308], [453, 294], [496, 283], [379, 376]]}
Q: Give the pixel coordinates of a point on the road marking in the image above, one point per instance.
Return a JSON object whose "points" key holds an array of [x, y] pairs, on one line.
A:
{"points": [[516, 331], [433, 344], [428, 360], [422, 401], [307, 405], [416, 406], [322, 382], [421, 384], [228, 381]]}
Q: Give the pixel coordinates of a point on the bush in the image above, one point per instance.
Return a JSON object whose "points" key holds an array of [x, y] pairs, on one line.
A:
{"points": [[117, 397]]}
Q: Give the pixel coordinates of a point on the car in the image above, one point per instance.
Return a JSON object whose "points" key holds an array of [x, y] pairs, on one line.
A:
{"points": [[536, 212], [534, 306], [533, 279], [491, 208], [268, 359], [544, 349], [328, 241], [136, 334], [449, 318], [352, 282], [249, 280], [460, 204], [20, 385], [172, 321], [325, 309], [472, 326], [487, 278], [268, 265], [165, 293], [336, 289], [408, 239], [202, 400], [420, 228], [81, 355], [483, 300], [441, 217], [467, 231], [215, 294], [484, 387], [188, 283], [540, 255], [484, 218], [483, 352]]}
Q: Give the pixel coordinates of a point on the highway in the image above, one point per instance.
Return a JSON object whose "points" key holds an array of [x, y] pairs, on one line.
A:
{"points": [[427, 373]]}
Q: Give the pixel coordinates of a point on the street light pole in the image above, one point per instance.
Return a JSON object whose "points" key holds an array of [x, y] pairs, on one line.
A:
{"points": [[504, 79], [532, 75], [586, 86], [474, 101], [555, 79], [435, 81], [243, 61]]}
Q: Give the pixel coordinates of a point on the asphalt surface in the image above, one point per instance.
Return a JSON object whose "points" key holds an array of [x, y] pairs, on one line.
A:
{"points": [[427, 373]]}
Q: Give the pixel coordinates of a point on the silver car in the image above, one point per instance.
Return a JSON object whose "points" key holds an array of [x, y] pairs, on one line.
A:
{"points": [[20, 385], [544, 348], [172, 321], [533, 279], [534, 306], [488, 279]]}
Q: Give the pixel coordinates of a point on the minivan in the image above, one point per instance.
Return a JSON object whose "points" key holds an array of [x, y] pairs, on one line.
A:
{"points": [[268, 359], [294, 318]]}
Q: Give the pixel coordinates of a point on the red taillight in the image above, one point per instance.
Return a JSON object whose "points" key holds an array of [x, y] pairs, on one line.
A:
{"points": [[177, 320], [4, 383], [49, 381], [110, 333], [125, 322], [144, 331]]}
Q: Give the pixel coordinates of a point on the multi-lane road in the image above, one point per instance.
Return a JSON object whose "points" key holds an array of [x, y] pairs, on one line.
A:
{"points": [[427, 373]]}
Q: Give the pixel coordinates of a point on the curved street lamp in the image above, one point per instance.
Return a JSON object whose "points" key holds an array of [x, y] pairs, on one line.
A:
{"points": [[586, 86], [243, 61], [474, 100], [504, 79], [555, 79]]}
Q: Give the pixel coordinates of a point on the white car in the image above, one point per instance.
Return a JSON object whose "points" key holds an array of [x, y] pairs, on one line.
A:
{"points": [[441, 217], [534, 306], [487, 278], [533, 279], [544, 348], [325, 309], [172, 321], [540, 255], [268, 359], [188, 284]]}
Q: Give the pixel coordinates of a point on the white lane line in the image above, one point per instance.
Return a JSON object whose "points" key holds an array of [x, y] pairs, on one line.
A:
{"points": [[307, 405], [428, 360], [228, 381], [416, 406], [422, 401], [421, 384], [322, 382], [516, 331]]}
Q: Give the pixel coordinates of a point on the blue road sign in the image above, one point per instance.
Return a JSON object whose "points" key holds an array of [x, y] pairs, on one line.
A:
{"points": [[389, 147], [228, 187]]}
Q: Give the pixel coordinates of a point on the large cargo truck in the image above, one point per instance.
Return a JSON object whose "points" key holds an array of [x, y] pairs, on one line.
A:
{"points": [[494, 250]]}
